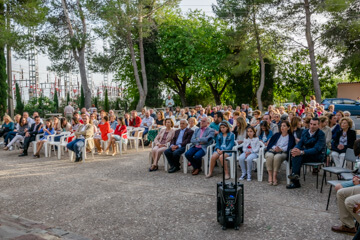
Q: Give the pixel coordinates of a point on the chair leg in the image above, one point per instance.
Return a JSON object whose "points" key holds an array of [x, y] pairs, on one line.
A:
{"points": [[327, 205], [304, 171], [317, 180], [185, 163], [322, 181]]}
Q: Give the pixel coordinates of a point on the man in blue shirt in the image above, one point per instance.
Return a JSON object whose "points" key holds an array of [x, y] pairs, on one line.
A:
{"points": [[218, 117], [178, 145]]}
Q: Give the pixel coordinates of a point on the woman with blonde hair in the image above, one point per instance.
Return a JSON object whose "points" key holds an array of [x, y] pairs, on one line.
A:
{"points": [[193, 123], [10, 135], [240, 130], [7, 126], [161, 141], [48, 129]]}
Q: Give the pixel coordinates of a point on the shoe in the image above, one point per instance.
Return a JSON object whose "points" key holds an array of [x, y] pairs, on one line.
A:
{"points": [[242, 177], [293, 185], [275, 183], [6, 148], [209, 176], [343, 229], [196, 171], [249, 179], [227, 177], [78, 159], [173, 169], [36, 155], [293, 176], [153, 168], [23, 155], [270, 183], [11, 148], [113, 154]]}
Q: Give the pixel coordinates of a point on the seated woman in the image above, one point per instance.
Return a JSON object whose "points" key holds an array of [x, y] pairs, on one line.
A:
{"points": [[277, 151], [20, 133], [8, 137], [227, 117], [251, 148], [161, 140], [344, 139], [159, 122], [193, 123], [225, 140], [182, 115], [142, 114], [7, 126], [240, 130], [118, 135], [65, 125], [295, 128], [265, 132], [105, 130], [47, 130], [256, 115], [93, 119]]}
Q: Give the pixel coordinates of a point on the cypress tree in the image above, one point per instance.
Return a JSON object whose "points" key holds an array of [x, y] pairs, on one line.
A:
{"points": [[56, 101], [19, 103], [3, 82], [106, 102], [96, 102], [67, 98]]}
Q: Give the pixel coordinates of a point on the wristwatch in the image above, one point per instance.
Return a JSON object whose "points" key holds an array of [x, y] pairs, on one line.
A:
{"points": [[301, 152]]}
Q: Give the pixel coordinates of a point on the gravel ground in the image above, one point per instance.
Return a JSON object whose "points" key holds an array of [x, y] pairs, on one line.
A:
{"points": [[117, 198]]}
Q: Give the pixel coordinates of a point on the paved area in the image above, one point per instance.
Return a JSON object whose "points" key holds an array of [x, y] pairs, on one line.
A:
{"points": [[117, 198]]}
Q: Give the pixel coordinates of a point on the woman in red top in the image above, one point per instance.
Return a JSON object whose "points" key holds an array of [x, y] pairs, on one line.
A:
{"points": [[104, 129], [119, 134]]}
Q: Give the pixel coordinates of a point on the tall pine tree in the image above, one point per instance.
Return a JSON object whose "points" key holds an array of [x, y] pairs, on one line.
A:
{"points": [[19, 103], [56, 101]]}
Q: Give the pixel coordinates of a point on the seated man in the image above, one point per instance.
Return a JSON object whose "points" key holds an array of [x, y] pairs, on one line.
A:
{"points": [[348, 200], [30, 135], [202, 138], [218, 118], [178, 145], [83, 132], [310, 148], [147, 122]]}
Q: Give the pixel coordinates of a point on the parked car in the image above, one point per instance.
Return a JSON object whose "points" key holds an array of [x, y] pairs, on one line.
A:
{"points": [[342, 104]]}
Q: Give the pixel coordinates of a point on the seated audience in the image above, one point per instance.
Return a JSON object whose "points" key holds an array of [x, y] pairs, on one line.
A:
{"points": [[105, 130], [251, 148], [147, 122], [265, 132], [225, 140], [48, 129], [201, 138], [178, 144], [20, 133], [161, 141], [311, 148], [344, 139], [277, 151], [193, 123], [119, 134], [295, 128], [240, 130], [30, 135]]}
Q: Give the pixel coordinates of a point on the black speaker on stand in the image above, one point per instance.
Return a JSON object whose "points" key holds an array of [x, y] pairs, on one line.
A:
{"points": [[230, 201]]}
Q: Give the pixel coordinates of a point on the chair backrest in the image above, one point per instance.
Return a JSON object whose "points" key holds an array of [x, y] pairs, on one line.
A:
{"points": [[350, 155]]}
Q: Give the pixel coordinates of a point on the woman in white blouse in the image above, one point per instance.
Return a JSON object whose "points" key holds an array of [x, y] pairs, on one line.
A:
{"points": [[240, 130]]}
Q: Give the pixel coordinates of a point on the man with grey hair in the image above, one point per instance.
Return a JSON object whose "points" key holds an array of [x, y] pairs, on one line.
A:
{"points": [[147, 122], [178, 145]]}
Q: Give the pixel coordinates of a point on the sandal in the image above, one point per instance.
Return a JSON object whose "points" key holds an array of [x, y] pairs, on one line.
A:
{"points": [[153, 168], [227, 177], [270, 183], [275, 183], [209, 176]]}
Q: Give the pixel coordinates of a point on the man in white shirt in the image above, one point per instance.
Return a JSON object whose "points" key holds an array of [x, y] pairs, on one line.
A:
{"points": [[147, 122], [169, 102]]}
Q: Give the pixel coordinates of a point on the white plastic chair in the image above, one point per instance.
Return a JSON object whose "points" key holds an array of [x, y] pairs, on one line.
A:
{"points": [[72, 154], [120, 144], [59, 145], [105, 144], [37, 138], [205, 159], [232, 160], [138, 137]]}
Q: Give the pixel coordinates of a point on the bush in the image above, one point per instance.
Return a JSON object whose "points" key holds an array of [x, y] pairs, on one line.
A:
{"points": [[42, 105]]}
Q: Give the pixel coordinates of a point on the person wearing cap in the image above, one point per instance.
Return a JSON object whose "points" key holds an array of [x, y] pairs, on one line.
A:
{"points": [[225, 140], [348, 200], [201, 139]]}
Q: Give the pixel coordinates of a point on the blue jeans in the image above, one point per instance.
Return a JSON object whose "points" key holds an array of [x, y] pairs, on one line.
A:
{"points": [[194, 155], [249, 161], [76, 146], [299, 160], [9, 137]]}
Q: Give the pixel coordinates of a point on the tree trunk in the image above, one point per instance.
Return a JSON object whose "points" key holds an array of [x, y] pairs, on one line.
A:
{"points": [[262, 63], [142, 60], [216, 94], [84, 82], [311, 47], [11, 94]]}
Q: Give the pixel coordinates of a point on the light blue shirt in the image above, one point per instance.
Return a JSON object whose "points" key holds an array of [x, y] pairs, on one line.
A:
{"points": [[180, 137]]}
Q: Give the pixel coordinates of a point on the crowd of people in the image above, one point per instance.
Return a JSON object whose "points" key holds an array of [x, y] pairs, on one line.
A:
{"points": [[304, 132]]}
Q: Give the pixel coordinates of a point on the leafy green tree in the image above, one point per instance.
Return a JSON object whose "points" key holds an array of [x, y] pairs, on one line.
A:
{"points": [[96, 102], [19, 103], [294, 74], [66, 39], [56, 101], [42, 105], [106, 101]]}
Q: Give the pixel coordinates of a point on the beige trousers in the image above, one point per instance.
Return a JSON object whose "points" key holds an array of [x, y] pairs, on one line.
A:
{"points": [[347, 198], [156, 153], [273, 161]]}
